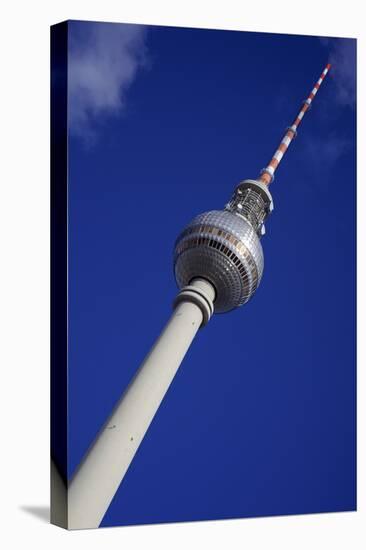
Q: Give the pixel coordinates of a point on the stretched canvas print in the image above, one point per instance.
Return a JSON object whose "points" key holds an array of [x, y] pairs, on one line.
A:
{"points": [[188, 381]]}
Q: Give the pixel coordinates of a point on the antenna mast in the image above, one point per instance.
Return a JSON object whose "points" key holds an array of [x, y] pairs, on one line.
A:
{"points": [[267, 174]]}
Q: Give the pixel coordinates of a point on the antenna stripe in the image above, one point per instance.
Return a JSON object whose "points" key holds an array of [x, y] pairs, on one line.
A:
{"points": [[267, 173], [278, 155]]}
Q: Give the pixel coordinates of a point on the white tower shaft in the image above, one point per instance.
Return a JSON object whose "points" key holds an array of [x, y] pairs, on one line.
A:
{"points": [[98, 477]]}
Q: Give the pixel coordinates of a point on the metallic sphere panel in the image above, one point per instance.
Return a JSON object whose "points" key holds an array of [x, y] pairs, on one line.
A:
{"points": [[223, 248]]}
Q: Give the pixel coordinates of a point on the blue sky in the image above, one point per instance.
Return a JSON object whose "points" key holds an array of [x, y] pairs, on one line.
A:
{"points": [[164, 122]]}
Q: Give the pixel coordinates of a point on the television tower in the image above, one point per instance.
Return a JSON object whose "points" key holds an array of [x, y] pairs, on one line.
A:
{"points": [[218, 264]]}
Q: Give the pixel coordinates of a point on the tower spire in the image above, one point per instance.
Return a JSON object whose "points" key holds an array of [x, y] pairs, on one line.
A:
{"points": [[267, 174]]}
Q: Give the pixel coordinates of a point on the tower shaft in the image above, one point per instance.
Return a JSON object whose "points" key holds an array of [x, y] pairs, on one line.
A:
{"points": [[98, 477], [267, 174]]}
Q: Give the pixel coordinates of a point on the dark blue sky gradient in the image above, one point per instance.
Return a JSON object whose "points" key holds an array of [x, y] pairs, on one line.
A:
{"points": [[260, 419]]}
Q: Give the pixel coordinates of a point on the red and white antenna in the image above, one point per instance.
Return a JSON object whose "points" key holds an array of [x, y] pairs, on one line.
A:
{"points": [[267, 174]]}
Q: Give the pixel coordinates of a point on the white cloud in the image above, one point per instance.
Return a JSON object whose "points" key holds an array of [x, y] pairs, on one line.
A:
{"points": [[342, 56], [103, 61]]}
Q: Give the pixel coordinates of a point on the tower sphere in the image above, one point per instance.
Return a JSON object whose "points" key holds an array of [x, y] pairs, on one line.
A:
{"points": [[224, 248]]}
